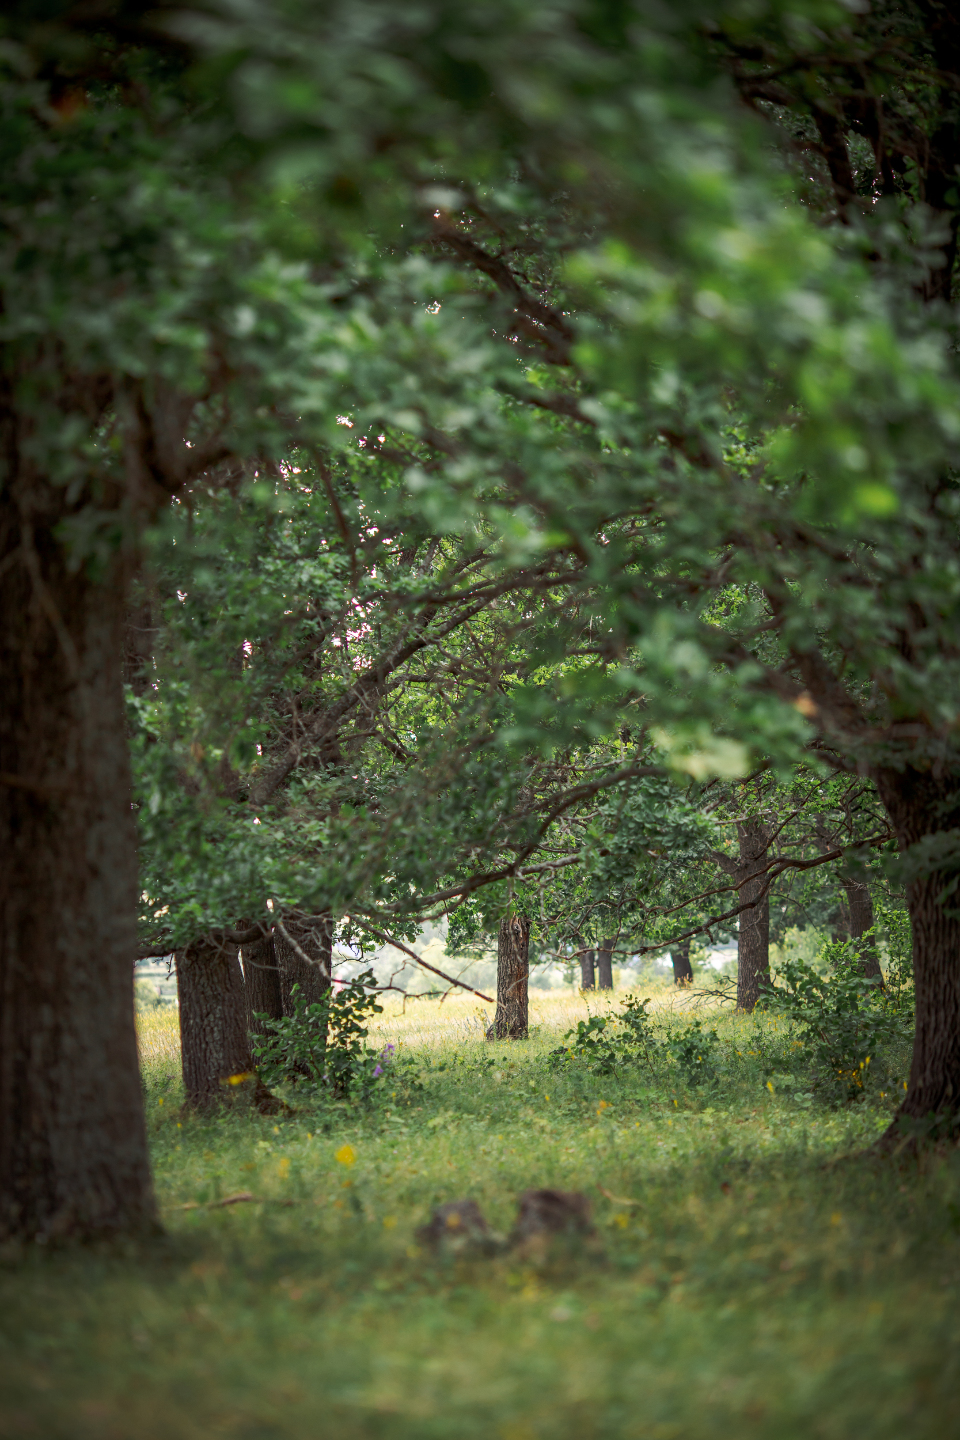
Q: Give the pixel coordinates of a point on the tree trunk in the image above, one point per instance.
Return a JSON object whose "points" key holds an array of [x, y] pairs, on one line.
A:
{"points": [[73, 1149], [860, 909], [753, 945], [214, 1044], [682, 969], [925, 809], [605, 964], [839, 922], [261, 982], [587, 970], [312, 975], [513, 974]]}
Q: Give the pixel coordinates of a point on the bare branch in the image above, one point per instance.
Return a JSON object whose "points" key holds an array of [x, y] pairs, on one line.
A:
{"points": [[422, 963]]}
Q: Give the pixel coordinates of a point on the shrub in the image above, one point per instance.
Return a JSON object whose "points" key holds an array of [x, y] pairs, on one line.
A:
{"points": [[842, 1019], [603, 1044], [321, 1047], [592, 1047], [694, 1052]]}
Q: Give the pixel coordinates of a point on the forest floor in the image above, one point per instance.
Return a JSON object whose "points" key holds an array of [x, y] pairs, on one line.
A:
{"points": [[754, 1274]]}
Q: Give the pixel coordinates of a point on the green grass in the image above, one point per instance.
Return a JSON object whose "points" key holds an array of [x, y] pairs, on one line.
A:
{"points": [[768, 1281]]}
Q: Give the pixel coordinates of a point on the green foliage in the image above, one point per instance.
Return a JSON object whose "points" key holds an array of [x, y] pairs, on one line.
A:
{"points": [[606, 1044], [526, 292], [894, 931], [319, 1048], [602, 1044], [590, 1046], [146, 996], [540, 362], [693, 1050], [842, 1020], [636, 1022]]}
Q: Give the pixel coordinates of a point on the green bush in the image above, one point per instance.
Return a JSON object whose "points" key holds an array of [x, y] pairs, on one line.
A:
{"points": [[694, 1051], [605, 1044], [320, 1047], [842, 1019], [591, 1046]]}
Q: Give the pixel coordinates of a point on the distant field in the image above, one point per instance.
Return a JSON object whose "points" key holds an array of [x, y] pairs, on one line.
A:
{"points": [[752, 1274]]}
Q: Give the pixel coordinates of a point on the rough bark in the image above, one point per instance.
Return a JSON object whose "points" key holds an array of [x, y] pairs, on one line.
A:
{"points": [[588, 978], [922, 806], [214, 1043], [513, 974], [261, 982], [682, 969], [311, 975], [839, 922], [605, 964], [73, 1151], [753, 944], [859, 907]]}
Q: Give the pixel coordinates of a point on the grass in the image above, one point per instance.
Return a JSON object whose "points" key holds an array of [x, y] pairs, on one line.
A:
{"points": [[754, 1275]]}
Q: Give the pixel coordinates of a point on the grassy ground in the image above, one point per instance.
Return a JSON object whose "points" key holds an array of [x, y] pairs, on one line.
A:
{"points": [[751, 1278]]}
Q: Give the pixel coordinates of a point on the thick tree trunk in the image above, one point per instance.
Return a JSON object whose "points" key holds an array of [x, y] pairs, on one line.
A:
{"points": [[588, 976], [261, 982], [921, 808], [860, 909], [73, 1150], [313, 975], [305, 979], [753, 945], [682, 969], [839, 922], [214, 1044], [605, 964], [513, 974]]}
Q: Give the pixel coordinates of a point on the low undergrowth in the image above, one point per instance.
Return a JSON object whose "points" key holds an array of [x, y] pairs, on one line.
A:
{"points": [[755, 1273]]}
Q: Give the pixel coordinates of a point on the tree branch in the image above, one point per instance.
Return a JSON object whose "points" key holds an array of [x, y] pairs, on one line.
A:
{"points": [[422, 963]]}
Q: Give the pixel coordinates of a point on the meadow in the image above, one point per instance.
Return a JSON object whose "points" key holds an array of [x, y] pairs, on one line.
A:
{"points": [[754, 1272]]}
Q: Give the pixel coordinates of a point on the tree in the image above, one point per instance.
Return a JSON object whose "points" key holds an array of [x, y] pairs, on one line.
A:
{"points": [[73, 1158], [261, 983], [214, 1036], [682, 969], [605, 963], [753, 944], [513, 972]]}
